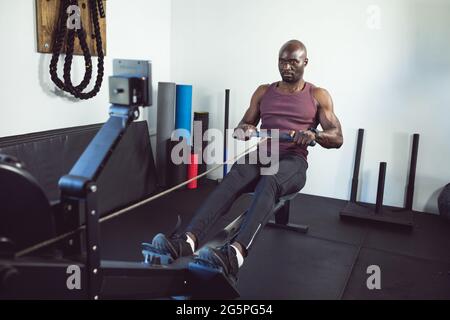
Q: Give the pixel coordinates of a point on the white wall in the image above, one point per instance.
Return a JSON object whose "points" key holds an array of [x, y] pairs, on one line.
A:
{"points": [[393, 81], [138, 29]]}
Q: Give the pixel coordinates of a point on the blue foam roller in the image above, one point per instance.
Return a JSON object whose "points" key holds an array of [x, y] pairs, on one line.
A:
{"points": [[183, 114]]}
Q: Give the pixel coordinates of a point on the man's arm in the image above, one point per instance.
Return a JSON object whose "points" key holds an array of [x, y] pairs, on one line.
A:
{"points": [[252, 116], [331, 136]]}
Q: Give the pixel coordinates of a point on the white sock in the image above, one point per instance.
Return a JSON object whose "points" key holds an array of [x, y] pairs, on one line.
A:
{"points": [[191, 242], [240, 257]]}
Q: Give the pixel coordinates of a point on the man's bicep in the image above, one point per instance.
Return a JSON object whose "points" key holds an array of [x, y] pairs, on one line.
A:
{"points": [[327, 118], [252, 115]]}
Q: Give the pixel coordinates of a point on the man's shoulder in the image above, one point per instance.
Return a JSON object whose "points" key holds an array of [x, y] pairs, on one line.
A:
{"points": [[322, 96], [320, 93], [262, 89]]}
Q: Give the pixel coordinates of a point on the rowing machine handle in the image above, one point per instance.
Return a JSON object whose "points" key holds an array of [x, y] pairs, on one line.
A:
{"points": [[284, 137]]}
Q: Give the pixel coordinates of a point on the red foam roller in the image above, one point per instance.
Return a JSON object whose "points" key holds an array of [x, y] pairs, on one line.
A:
{"points": [[193, 171]]}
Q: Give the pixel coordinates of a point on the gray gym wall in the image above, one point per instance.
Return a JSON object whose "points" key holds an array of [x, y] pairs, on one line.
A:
{"points": [[390, 80]]}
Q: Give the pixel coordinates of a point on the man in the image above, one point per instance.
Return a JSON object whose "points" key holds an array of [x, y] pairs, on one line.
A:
{"points": [[291, 104]]}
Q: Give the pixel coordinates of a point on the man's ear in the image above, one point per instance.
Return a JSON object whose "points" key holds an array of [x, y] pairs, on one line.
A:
{"points": [[306, 62]]}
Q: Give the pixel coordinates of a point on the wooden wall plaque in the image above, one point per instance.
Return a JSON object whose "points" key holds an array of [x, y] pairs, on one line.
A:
{"points": [[47, 12]]}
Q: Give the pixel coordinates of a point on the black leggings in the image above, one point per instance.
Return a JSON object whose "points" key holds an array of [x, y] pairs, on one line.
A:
{"points": [[243, 178]]}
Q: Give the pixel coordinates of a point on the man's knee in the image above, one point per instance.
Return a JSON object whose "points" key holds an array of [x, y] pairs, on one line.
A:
{"points": [[268, 183], [241, 171]]}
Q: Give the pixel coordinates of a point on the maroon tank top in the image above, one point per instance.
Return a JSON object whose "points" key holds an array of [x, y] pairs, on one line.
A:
{"points": [[289, 111]]}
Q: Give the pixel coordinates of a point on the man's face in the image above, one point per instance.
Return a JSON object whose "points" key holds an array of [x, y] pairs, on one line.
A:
{"points": [[291, 64]]}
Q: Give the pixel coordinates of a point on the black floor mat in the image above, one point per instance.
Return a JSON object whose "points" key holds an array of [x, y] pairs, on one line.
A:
{"points": [[288, 265], [322, 216], [402, 277], [430, 239]]}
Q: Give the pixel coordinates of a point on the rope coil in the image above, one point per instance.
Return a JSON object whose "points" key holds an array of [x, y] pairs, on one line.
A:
{"points": [[61, 32]]}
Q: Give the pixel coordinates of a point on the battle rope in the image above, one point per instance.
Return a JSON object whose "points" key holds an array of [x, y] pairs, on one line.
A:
{"points": [[96, 9]]}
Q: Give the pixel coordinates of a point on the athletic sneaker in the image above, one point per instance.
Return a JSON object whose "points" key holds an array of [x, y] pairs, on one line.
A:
{"points": [[223, 258], [164, 250]]}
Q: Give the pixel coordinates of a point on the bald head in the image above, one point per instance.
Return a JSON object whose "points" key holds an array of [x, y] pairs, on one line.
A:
{"points": [[292, 60], [293, 46]]}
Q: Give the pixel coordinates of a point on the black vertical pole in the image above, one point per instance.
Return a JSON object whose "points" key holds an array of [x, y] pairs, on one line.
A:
{"points": [[203, 117], [412, 173], [225, 140], [354, 191], [380, 191], [88, 206]]}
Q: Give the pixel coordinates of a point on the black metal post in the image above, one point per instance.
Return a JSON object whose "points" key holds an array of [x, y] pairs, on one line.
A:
{"points": [[225, 128], [412, 173], [355, 178], [380, 191]]}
